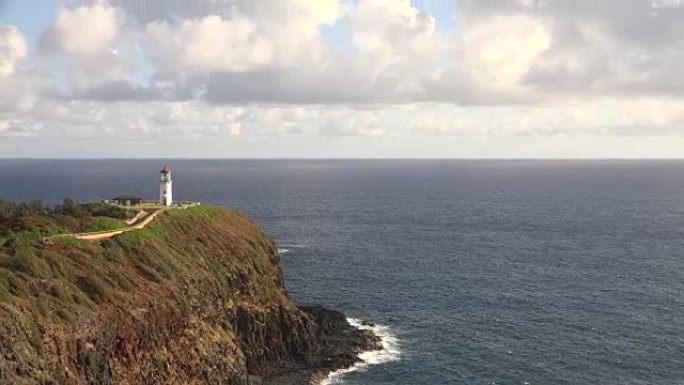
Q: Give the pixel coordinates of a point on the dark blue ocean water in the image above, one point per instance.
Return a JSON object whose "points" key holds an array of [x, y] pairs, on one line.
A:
{"points": [[506, 272]]}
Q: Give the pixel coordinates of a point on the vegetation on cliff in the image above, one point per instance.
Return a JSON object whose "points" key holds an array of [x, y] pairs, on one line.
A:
{"points": [[194, 298], [24, 223]]}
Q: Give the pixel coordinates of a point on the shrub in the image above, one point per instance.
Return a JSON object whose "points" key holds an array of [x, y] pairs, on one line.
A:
{"points": [[131, 241], [149, 272], [112, 251], [14, 284], [66, 315], [121, 281], [94, 288], [103, 224], [76, 243], [81, 299], [35, 337], [71, 208], [61, 267], [56, 290], [5, 296], [101, 209], [61, 378], [91, 361], [42, 307], [10, 210], [25, 261], [23, 237]]}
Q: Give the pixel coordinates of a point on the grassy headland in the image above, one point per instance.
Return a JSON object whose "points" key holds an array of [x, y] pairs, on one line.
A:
{"points": [[195, 297]]}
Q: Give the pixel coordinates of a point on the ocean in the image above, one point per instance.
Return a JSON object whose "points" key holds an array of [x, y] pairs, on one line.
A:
{"points": [[476, 272]]}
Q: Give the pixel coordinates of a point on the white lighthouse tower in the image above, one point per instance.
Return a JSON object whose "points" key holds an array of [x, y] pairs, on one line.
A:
{"points": [[165, 187]]}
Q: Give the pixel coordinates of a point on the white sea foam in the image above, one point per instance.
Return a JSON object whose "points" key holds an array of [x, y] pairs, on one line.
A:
{"points": [[390, 352], [296, 245], [288, 247]]}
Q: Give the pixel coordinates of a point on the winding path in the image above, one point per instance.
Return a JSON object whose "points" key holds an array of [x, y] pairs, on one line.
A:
{"points": [[139, 222]]}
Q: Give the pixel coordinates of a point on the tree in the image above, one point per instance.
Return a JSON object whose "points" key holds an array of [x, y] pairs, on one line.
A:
{"points": [[73, 209]]}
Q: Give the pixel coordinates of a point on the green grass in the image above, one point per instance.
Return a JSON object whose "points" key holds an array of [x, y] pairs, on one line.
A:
{"points": [[95, 288], [193, 259], [5, 296], [202, 211], [60, 293], [96, 224], [12, 283], [197, 264], [149, 272], [22, 237], [66, 316], [78, 244], [133, 241], [26, 261]]}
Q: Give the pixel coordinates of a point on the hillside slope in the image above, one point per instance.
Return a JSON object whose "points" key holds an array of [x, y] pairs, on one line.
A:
{"points": [[197, 297]]}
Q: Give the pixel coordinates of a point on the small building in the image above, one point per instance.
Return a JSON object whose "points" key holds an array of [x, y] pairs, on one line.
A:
{"points": [[126, 200]]}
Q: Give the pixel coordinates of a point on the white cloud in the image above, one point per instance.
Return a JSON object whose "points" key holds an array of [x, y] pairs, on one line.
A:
{"points": [[642, 117], [263, 51], [260, 34], [16, 128], [499, 51], [212, 43], [235, 128], [302, 15], [18, 87], [86, 30], [13, 50], [337, 70], [393, 26]]}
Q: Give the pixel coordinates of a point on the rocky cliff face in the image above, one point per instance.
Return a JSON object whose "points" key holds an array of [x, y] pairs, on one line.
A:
{"points": [[197, 297]]}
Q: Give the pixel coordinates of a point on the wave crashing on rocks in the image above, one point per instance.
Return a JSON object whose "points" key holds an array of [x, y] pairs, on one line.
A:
{"points": [[390, 351]]}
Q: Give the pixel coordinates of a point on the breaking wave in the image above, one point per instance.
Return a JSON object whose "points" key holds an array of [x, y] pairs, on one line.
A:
{"points": [[390, 352]]}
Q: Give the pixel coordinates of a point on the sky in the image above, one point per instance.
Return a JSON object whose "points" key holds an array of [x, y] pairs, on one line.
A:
{"points": [[342, 78]]}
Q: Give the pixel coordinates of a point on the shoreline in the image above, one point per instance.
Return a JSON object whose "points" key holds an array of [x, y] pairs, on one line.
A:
{"points": [[389, 351], [347, 345]]}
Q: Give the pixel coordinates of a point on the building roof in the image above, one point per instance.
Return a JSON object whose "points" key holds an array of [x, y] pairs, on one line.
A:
{"points": [[166, 170], [126, 198]]}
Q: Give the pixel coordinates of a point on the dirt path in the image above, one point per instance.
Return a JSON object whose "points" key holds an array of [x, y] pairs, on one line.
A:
{"points": [[136, 218], [140, 221]]}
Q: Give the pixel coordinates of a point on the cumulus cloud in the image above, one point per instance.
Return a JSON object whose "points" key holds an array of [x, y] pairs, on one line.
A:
{"points": [[392, 26], [254, 35], [235, 69], [13, 50], [19, 87], [211, 43], [616, 48], [501, 52], [85, 30], [302, 15]]}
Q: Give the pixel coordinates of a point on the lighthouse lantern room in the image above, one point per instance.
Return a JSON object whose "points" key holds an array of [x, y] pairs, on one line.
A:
{"points": [[165, 187]]}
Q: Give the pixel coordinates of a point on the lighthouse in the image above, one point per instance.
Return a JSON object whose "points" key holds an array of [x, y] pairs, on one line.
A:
{"points": [[165, 187]]}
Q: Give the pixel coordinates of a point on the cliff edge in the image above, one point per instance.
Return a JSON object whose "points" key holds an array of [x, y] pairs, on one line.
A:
{"points": [[196, 297]]}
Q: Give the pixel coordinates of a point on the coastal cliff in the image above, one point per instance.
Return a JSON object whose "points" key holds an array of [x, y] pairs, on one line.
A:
{"points": [[196, 297]]}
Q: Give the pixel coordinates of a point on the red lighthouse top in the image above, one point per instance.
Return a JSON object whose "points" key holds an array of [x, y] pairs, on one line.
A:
{"points": [[166, 170]]}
